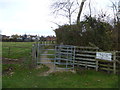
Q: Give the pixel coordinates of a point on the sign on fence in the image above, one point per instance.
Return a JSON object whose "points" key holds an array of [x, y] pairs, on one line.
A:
{"points": [[104, 56]]}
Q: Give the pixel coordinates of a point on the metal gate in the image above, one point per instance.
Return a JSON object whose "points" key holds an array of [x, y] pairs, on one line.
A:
{"points": [[65, 56], [62, 56], [68, 56]]}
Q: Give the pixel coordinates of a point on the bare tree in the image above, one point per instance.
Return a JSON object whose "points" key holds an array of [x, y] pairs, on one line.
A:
{"points": [[115, 10], [80, 11], [66, 7], [90, 8], [69, 7]]}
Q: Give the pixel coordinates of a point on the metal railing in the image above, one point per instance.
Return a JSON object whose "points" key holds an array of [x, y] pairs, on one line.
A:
{"points": [[69, 57]]}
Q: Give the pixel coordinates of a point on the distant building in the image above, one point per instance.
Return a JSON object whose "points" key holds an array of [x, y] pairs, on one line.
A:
{"points": [[53, 38], [5, 38], [19, 38], [28, 38], [50, 38], [42, 38], [33, 37]]}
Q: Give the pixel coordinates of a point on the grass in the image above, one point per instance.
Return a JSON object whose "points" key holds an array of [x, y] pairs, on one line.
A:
{"points": [[84, 79], [18, 44], [22, 77], [25, 77], [16, 50]]}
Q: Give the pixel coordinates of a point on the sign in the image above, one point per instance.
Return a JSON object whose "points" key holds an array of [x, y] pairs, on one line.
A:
{"points": [[104, 56]]}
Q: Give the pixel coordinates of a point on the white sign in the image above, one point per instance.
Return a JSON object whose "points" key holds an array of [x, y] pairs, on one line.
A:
{"points": [[104, 56], [83, 0]]}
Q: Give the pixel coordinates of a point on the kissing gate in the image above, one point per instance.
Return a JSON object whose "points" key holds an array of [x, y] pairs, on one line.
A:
{"points": [[60, 55], [68, 57]]}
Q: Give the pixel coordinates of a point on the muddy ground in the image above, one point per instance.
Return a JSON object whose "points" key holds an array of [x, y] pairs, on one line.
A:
{"points": [[11, 61], [9, 70]]}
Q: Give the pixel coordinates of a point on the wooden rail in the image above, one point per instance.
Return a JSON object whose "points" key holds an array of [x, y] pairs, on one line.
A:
{"points": [[71, 56]]}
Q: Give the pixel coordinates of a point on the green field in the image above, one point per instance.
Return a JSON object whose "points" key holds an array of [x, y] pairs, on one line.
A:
{"points": [[16, 49], [23, 75]]}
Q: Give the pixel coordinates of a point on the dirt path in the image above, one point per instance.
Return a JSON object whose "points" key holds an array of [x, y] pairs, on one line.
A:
{"points": [[51, 66]]}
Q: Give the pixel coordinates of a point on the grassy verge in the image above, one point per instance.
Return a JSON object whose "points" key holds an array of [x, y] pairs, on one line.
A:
{"points": [[84, 79], [21, 76]]}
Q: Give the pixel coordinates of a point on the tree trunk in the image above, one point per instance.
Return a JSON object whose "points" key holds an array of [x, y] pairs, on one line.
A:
{"points": [[80, 11]]}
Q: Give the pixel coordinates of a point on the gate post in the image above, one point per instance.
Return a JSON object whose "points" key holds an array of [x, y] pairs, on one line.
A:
{"points": [[114, 62], [33, 55], [74, 56], [97, 61], [96, 65], [55, 57]]}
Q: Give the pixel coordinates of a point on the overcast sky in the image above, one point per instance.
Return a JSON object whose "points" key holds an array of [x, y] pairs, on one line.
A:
{"points": [[34, 16]]}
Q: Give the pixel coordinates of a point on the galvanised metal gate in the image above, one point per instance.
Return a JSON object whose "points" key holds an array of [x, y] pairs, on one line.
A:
{"points": [[65, 56], [68, 56], [61, 56]]}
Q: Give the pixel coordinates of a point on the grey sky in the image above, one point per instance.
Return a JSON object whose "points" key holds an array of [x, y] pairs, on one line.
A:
{"points": [[33, 16]]}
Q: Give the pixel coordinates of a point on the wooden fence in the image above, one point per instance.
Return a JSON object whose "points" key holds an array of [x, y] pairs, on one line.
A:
{"points": [[70, 56], [110, 66], [85, 57]]}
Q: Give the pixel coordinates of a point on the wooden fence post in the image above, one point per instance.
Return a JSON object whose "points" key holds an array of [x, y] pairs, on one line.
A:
{"points": [[86, 65], [74, 48], [67, 59], [108, 67], [36, 53], [8, 51], [96, 65], [114, 62], [55, 58], [32, 53]]}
